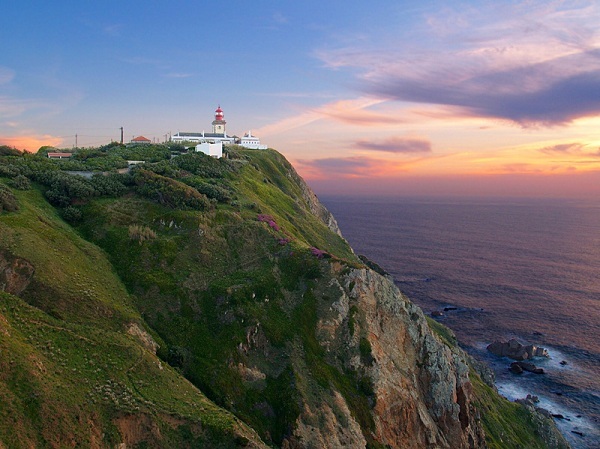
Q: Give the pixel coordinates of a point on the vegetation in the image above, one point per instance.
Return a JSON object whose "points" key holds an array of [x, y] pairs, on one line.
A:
{"points": [[221, 263]]}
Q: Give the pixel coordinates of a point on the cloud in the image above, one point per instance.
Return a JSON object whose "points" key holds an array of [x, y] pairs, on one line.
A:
{"points": [[14, 107], [30, 142], [535, 64], [6, 75], [179, 75], [279, 18], [347, 167], [570, 149], [396, 145], [113, 30], [347, 111]]}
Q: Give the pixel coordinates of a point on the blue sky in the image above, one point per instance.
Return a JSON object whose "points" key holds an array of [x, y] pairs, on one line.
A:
{"points": [[388, 97]]}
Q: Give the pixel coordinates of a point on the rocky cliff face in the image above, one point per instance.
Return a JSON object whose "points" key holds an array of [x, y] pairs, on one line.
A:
{"points": [[421, 392]]}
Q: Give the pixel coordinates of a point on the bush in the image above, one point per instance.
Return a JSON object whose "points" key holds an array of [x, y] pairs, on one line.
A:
{"points": [[169, 192], [148, 153], [71, 214], [111, 185], [5, 150], [20, 182], [202, 165], [212, 191], [8, 202]]}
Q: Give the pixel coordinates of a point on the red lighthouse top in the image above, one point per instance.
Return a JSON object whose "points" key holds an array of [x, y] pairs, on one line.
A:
{"points": [[219, 113]]}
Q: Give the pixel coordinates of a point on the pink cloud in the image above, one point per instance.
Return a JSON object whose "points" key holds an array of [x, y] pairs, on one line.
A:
{"points": [[396, 145], [534, 63], [346, 167], [573, 149]]}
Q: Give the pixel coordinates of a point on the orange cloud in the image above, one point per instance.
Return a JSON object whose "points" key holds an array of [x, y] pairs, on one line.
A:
{"points": [[30, 143]]}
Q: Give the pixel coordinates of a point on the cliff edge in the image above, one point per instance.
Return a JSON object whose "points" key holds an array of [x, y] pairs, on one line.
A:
{"points": [[195, 302]]}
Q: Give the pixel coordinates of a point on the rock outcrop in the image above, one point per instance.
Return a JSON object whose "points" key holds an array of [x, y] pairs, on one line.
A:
{"points": [[519, 367], [15, 273], [515, 350], [422, 394]]}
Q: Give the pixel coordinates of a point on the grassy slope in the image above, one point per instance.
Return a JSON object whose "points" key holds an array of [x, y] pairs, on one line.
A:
{"points": [[210, 279], [68, 370], [219, 290]]}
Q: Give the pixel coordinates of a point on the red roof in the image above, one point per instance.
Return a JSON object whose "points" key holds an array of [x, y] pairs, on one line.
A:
{"points": [[141, 139]]}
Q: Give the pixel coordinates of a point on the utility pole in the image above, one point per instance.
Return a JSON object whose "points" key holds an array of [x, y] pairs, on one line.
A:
{"points": [[121, 135], [76, 141]]}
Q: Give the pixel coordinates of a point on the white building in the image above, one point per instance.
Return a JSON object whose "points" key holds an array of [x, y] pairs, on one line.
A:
{"points": [[212, 149], [218, 132], [218, 136], [252, 142]]}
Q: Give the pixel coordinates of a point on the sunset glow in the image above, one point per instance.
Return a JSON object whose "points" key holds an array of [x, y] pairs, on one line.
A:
{"points": [[467, 98]]}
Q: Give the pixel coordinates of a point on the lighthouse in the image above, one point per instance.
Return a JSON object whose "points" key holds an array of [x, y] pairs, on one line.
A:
{"points": [[218, 124]]}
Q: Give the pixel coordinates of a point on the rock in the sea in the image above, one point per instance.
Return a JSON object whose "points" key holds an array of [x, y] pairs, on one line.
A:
{"points": [[519, 367], [515, 368], [515, 350], [437, 313], [527, 366]]}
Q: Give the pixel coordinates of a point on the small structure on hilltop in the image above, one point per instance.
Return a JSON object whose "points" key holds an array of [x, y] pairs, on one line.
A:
{"points": [[209, 142], [252, 142], [59, 155], [212, 149], [218, 135], [140, 140]]}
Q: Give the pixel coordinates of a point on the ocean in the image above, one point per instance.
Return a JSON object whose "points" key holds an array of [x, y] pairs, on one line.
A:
{"points": [[505, 268]]}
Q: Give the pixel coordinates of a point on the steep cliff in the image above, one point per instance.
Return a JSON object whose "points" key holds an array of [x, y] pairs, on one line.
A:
{"points": [[192, 277]]}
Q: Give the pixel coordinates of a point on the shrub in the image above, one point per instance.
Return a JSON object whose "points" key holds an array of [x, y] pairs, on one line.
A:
{"points": [[8, 202], [148, 153], [212, 191], [202, 165], [141, 233], [169, 192], [5, 150], [111, 185], [71, 214], [20, 182]]}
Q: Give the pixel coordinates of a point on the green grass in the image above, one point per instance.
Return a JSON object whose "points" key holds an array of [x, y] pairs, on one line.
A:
{"points": [[219, 292]]}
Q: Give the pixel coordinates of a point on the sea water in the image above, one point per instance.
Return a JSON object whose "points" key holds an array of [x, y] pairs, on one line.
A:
{"points": [[511, 268]]}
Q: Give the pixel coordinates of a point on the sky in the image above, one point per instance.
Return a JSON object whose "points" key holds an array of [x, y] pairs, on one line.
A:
{"points": [[389, 97]]}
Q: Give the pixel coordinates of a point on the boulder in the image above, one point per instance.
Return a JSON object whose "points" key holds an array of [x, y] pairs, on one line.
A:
{"points": [[515, 350], [519, 367], [515, 368]]}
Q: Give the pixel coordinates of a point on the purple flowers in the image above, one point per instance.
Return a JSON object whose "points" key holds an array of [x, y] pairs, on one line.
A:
{"points": [[269, 220], [283, 241], [318, 253]]}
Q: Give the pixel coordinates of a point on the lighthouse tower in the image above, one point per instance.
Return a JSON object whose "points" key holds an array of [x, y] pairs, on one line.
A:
{"points": [[219, 122]]}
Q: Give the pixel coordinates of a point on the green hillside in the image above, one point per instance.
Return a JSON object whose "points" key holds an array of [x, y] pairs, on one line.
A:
{"points": [[180, 304]]}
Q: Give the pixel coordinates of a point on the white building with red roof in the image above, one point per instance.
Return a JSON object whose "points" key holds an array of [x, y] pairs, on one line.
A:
{"points": [[218, 136]]}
